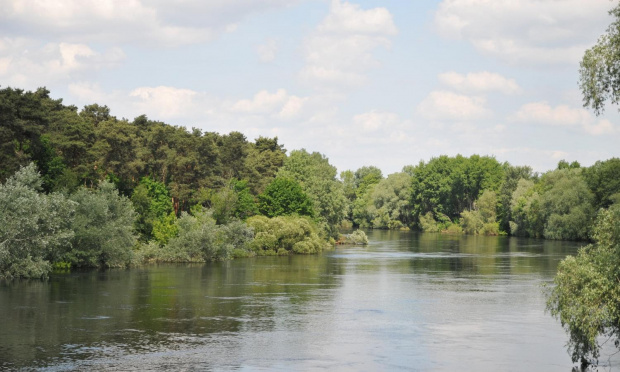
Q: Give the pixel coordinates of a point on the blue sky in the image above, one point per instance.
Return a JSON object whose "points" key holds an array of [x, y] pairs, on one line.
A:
{"points": [[384, 83]]}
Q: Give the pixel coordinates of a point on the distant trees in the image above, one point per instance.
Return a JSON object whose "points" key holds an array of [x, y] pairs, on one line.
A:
{"points": [[478, 195], [447, 186]]}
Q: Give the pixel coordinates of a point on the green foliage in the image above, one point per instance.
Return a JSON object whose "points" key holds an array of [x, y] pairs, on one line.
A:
{"points": [[563, 164], [482, 219], [200, 239], [526, 210], [385, 204], [391, 198], [103, 227], [448, 186], [599, 77], [33, 226], [264, 159], [285, 234], [357, 237], [233, 201], [586, 296], [152, 203], [245, 205], [428, 223], [364, 210], [165, 228], [365, 177], [512, 175], [453, 229], [348, 184], [24, 117], [72, 149], [284, 196], [471, 222], [567, 205], [559, 206], [603, 179], [348, 187], [318, 180]]}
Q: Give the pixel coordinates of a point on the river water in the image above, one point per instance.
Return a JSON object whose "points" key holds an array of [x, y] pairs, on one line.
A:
{"points": [[407, 301]]}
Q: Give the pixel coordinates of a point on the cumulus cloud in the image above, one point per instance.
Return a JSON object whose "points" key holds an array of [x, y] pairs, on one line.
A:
{"points": [[562, 115], [376, 120], [340, 50], [28, 63], [190, 106], [279, 104], [525, 32], [166, 101], [157, 22], [444, 105], [479, 82]]}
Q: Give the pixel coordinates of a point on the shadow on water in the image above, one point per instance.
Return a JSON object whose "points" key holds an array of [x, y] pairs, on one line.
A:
{"points": [[407, 300]]}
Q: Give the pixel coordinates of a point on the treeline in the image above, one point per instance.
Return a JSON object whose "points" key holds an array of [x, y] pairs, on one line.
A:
{"points": [[112, 191], [82, 188], [479, 195]]}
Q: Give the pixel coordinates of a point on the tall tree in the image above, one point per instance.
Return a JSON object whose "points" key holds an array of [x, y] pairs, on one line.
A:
{"points": [[318, 179]]}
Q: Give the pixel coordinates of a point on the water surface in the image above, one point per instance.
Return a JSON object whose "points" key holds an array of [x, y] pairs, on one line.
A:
{"points": [[407, 301]]}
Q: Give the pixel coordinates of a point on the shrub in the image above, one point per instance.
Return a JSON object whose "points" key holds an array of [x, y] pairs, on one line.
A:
{"points": [[285, 234], [200, 238], [428, 223], [357, 237], [103, 227], [33, 226]]}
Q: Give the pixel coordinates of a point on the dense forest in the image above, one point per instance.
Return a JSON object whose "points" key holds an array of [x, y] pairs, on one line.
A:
{"points": [[82, 188]]}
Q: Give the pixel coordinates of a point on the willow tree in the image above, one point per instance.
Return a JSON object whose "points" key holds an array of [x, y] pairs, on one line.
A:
{"points": [[586, 296], [599, 73]]}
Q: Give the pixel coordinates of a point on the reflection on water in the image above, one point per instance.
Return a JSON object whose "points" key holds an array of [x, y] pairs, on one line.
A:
{"points": [[406, 301]]}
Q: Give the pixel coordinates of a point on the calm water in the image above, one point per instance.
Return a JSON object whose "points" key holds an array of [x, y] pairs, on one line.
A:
{"points": [[406, 302]]}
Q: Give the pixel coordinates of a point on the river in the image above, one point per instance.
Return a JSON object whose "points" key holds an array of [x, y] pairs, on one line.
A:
{"points": [[407, 301]]}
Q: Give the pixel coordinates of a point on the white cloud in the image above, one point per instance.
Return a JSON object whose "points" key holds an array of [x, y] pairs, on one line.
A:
{"points": [[347, 18], [279, 104], [29, 64], [527, 31], [158, 22], [340, 51], [178, 105], [374, 120], [267, 51], [167, 102], [444, 105], [562, 115], [479, 82]]}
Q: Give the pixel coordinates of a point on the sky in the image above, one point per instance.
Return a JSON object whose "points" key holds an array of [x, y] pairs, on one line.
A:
{"points": [[386, 83]]}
